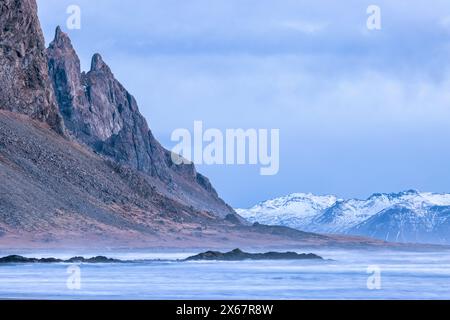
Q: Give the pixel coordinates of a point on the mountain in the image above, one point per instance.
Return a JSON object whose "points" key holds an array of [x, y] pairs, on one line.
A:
{"points": [[295, 210], [77, 159], [79, 166], [408, 216], [100, 113], [24, 82]]}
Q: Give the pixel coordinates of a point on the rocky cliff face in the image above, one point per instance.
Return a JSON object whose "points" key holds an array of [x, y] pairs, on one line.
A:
{"points": [[93, 108], [24, 83], [101, 113]]}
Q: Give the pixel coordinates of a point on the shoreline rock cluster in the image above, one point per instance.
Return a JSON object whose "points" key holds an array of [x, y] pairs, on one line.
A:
{"points": [[235, 255]]}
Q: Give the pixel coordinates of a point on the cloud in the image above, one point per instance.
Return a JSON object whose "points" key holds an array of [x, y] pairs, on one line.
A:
{"points": [[445, 23], [344, 100], [304, 26]]}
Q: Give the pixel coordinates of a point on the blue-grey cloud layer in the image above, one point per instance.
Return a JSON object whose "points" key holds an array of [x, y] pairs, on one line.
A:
{"points": [[359, 111]]}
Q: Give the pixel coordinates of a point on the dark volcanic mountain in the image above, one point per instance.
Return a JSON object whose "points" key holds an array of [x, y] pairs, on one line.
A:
{"points": [[80, 167], [24, 82], [106, 170], [99, 112]]}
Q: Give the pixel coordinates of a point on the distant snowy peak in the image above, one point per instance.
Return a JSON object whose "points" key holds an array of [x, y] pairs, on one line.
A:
{"points": [[297, 201], [394, 215], [293, 210]]}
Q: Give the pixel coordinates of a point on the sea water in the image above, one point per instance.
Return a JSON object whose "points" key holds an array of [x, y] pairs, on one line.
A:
{"points": [[343, 275]]}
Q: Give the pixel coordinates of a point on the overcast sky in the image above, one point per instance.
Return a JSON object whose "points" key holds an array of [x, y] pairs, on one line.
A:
{"points": [[359, 111]]}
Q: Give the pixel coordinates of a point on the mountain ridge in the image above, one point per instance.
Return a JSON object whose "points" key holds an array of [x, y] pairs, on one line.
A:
{"points": [[101, 113], [79, 165], [361, 217], [78, 160]]}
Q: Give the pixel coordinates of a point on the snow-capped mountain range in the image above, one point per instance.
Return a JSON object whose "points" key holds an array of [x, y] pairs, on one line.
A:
{"points": [[409, 216]]}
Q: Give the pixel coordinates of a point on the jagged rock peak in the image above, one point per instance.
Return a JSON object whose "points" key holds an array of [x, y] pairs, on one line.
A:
{"points": [[97, 64], [101, 113], [61, 48], [61, 39], [64, 69]]}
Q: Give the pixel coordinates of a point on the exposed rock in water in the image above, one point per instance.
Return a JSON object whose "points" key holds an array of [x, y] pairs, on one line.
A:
{"points": [[102, 114], [97, 259], [238, 255], [20, 259], [25, 86]]}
